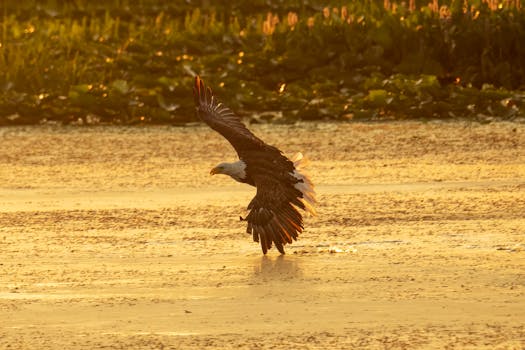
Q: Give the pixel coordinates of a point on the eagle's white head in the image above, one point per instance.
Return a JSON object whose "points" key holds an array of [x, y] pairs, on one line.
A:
{"points": [[237, 170]]}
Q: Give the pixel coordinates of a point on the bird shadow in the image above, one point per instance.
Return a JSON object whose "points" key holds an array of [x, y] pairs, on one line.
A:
{"points": [[282, 267]]}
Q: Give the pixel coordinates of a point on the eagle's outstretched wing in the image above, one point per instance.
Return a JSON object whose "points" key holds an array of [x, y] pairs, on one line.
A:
{"points": [[281, 189], [221, 119]]}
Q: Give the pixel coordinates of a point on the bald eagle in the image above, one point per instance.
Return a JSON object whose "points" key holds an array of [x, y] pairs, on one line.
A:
{"points": [[282, 188]]}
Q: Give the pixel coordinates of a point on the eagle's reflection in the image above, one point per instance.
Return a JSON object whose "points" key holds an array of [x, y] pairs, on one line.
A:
{"points": [[282, 267]]}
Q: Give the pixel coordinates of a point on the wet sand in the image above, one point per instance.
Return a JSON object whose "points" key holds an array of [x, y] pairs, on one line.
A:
{"points": [[115, 237]]}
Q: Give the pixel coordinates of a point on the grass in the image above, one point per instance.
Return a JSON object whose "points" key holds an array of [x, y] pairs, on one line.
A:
{"points": [[133, 62]]}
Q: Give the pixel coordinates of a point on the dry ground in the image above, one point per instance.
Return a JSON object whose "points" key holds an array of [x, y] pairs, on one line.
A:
{"points": [[114, 237]]}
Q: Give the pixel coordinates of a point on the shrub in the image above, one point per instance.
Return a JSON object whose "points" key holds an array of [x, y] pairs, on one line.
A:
{"points": [[133, 62]]}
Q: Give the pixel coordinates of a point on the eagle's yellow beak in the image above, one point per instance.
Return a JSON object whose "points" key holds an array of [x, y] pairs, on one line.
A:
{"points": [[214, 171]]}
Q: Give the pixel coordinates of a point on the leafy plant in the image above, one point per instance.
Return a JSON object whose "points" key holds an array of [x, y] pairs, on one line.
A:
{"points": [[133, 62]]}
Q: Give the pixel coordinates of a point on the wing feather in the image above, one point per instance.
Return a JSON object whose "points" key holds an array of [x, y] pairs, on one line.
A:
{"points": [[273, 216], [221, 119]]}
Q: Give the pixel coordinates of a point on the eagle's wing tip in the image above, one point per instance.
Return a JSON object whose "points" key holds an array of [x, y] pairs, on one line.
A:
{"points": [[203, 94], [196, 89], [197, 83], [209, 94]]}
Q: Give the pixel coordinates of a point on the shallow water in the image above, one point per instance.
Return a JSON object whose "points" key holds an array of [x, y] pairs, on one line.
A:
{"points": [[118, 237]]}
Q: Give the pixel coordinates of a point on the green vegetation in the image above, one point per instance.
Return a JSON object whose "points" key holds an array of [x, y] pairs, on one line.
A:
{"points": [[133, 61]]}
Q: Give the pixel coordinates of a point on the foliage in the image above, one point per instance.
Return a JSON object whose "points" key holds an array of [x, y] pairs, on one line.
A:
{"points": [[133, 62]]}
